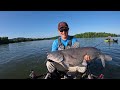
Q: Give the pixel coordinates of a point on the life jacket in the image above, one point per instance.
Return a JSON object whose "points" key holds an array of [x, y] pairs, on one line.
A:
{"points": [[61, 46]]}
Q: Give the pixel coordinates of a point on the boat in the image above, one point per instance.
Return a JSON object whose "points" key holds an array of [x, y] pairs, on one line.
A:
{"points": [[108, 40], [63, 75], [111, 40]]}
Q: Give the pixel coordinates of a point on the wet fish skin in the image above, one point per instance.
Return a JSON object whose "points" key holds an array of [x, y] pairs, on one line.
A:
{"points": [[75, 56]]}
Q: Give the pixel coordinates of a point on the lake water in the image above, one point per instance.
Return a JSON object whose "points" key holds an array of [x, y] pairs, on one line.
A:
{"points": [[17, 59]]}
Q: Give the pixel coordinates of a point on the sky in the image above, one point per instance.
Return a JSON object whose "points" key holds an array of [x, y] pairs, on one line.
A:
{"points": [[43, 24]]}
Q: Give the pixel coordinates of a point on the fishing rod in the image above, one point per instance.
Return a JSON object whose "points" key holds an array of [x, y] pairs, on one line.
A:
{"points": [[98, 44]]}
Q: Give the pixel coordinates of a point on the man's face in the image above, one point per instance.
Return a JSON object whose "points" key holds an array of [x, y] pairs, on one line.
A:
{"points": [[63, 33], [63, 30]]}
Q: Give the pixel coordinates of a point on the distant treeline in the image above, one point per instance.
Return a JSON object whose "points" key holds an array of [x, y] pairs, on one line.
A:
{"points": [[5, 40], [22, 39], [94, 34]]}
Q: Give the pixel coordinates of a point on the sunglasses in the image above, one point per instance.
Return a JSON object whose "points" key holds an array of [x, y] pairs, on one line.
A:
{"points": [[65, 30]]}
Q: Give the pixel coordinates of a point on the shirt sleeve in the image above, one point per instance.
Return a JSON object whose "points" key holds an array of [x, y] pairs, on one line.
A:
{"points": [[55, 45], [74, 40]]}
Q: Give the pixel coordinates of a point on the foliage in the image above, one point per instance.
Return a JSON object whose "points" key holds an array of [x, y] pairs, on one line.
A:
{"points": [[94, 35], [5, 40]]}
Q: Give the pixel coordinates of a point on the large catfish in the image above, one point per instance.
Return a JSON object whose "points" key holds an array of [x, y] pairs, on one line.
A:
{"points": [[74, 56]]}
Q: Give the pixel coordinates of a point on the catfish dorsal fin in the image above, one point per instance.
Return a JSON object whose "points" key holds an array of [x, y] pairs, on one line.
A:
{"points": [[75, 45]]}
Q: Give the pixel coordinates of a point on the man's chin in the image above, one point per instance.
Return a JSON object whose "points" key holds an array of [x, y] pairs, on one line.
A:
{"points": [[65, 36]]}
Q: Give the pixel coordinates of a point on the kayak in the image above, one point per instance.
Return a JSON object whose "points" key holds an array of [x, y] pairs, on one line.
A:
{"points": [[111, 40], [108, 40], [62, 75]]}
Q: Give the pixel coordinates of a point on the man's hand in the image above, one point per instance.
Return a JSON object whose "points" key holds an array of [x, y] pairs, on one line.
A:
{"points": [[87, 57]]}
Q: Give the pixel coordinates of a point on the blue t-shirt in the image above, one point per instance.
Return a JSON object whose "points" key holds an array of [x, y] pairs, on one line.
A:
{"points": [[64, 42]]}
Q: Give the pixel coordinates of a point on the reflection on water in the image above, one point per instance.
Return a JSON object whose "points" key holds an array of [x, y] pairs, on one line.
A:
{"points": [[17, 59], [111, 43]]}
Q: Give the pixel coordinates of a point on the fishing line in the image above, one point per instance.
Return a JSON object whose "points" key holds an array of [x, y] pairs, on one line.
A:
{"points": [[98, 44]]}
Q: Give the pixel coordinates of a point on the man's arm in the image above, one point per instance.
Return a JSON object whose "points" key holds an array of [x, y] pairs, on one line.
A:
{"points": [[55, 45]]}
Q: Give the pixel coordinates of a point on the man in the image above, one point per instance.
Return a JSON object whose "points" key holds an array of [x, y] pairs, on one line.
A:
{"points": [[65, 41]]}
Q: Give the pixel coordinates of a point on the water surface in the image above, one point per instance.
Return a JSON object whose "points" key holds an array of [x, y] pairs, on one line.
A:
{"points": [[17, 59]]}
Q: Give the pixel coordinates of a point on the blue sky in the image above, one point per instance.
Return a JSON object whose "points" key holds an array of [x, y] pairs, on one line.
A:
{"points": [[41, 24]]}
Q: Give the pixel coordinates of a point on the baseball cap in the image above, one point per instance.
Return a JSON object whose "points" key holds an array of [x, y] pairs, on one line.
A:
{"points": [[63, 25]]}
